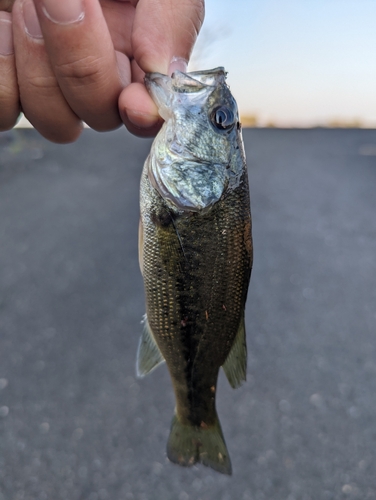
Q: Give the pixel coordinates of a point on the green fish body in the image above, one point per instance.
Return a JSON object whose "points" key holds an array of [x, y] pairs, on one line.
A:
{"points": [[195, 249]]}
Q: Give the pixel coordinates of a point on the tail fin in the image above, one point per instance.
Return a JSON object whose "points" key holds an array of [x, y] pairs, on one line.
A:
{"points": [[188, 444]]}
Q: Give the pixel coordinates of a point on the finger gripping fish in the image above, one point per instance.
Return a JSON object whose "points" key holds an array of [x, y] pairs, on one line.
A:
{"points": [[195, 250]]}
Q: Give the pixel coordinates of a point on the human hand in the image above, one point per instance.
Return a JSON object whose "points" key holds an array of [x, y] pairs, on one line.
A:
{"points": [[84, 60]]}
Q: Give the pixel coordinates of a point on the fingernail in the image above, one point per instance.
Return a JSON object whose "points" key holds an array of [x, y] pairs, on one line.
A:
{"points": [[32, 26], [141, 120], [6, 37], [177, 64], [63, 11]]}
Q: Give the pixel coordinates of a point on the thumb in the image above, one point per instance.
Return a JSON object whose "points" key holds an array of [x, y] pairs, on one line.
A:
{"points": [[164, 33]]}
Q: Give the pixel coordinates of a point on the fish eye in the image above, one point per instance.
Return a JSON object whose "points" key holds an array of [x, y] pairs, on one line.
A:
{"points": [[223, 118]]}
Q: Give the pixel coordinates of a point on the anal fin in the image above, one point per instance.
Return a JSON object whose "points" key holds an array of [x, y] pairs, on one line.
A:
{"points": [[235, 366], [148, 354]]}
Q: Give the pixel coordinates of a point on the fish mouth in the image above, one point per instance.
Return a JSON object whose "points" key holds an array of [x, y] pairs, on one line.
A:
{"points": [[211, 77], [156, 80], [178, 79], [163, 88], [160, 89]]}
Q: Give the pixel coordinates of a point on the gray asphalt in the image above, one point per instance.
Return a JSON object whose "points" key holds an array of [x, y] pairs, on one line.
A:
{"points": [[75, 424]]}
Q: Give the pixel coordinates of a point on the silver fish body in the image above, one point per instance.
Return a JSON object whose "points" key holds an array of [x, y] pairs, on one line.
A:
{"points": [[195, 249]]}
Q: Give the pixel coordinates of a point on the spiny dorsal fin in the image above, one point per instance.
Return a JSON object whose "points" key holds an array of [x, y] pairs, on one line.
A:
{"points": [[235, 366], [148, 355]]}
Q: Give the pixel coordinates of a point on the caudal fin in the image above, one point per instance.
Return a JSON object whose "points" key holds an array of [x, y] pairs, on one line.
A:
{"points": [[188, 445]]}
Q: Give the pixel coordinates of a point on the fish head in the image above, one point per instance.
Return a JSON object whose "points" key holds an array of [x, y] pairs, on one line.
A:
{"points": [[200, 112], [198, 153]]}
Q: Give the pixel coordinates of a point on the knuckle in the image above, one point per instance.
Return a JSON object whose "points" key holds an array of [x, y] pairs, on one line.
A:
{"points": [[6, 91], [42, 84], [84, 71]]}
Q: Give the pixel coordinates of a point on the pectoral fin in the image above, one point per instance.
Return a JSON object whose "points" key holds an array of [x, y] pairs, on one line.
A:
{"points": [[148, 355], [235, 366]]}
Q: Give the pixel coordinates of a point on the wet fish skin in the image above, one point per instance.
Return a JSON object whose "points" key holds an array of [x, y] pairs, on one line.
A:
{"points": [[195, 257]]}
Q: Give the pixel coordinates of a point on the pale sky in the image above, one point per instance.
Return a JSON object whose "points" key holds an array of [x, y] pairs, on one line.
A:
{"points": [[295, 62]]}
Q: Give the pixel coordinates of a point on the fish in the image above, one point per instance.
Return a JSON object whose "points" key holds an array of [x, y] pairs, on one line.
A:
{"points": [[195, 254]]}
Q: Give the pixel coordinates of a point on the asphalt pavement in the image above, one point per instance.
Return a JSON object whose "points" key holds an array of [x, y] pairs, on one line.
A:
{"points": [[75, 423]]}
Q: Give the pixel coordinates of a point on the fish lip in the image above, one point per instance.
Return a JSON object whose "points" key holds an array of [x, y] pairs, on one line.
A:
{"points": [[210, 77], [159, 88], [151, 78], [163, 88], [156, 80]]}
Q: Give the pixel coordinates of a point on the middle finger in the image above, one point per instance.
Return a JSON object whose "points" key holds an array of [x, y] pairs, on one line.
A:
{"points": [[83, 58]]}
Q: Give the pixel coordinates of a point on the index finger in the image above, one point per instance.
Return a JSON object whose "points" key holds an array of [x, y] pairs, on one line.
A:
{"points": [[83, 59], [164, 33]]}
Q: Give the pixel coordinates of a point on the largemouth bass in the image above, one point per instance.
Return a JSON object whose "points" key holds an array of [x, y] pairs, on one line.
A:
{"points": [[195, 249]]}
